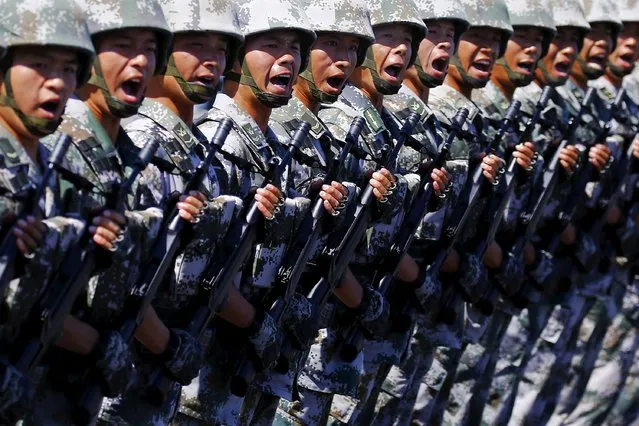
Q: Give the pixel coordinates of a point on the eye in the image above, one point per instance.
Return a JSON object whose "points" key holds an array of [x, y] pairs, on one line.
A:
{"points": [[331, 43], [71, 69]]}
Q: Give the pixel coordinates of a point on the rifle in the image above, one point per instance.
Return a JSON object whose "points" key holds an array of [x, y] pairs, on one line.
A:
{"points": [[73, 275], [292, 270], [219, 276], [8, 247], [163, 255], [385, 273], [480, 187]]}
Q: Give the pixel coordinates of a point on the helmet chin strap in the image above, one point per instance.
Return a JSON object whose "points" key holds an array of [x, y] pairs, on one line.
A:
{"points": [[619, 72], [323, 97], [589, 72], [36, 126], [196, 93], [381, 85], [426, 79], [117, 107], [550, 80], [268, 99], [517, 78], [473, 82]]}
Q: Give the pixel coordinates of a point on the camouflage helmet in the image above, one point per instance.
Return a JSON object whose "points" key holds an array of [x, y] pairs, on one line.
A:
{"points": [[42, 24], [110, 15], [184, 16], [47, 23], [491, 14], [533, 13], [603, 11], [569, 13], [400, 12], [444, 10], [342, 16], [629, 11], [260, 16], [205, 16]]}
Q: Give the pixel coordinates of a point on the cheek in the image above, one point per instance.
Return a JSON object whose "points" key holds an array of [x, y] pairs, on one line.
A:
{"points": [[111, 65], [151, 59], [186, 64], [29, 84]]}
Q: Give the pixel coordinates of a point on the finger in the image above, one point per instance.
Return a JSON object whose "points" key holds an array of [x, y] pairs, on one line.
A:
{"points": [[33, 221], [102, 242], [387, 174], [437, 187], [523, 149], [530, 145], [378, 185], [329, 207], [565, 165], [107, 224], [274, 190], [328, 198], [333, 192], [106, 234], [192, 202], [381, 179], [378, 194], [267, 213], [31, 230], [198, 195], [267, 194], [186, 215], [115, 216], [266, 203], [22, 247], [26, 239], [341, 188]]}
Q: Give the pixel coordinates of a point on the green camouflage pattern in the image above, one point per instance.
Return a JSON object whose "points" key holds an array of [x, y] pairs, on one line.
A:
{"points": [[436, 10], [199, 15], [603, 11], [341, 16], [109, 15], [569, 13], [399, 12], [534, 13], [47, 23], [491, 14]]}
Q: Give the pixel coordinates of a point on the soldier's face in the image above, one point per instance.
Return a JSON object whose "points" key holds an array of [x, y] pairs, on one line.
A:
{"points": [[199, 57], [127, 59], [392, 51], [274, 60], [627, 51], [333, 59], [478, 51], [524, 49], [596, 48], [436, 48], [561, 55], [42, 81]]}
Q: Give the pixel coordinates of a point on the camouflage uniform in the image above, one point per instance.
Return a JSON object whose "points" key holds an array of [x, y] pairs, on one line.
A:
{"points": [[177, 159], [310, 165], [100, 165], [555, 350], [245, 156]]}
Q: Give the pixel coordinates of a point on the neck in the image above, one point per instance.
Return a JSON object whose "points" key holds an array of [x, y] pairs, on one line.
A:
{"points": [[93, 98], [501, 80], [613, 79], [578, 77], [259, 112], [415, 86], [302, 92], [160, 92], [29, 143], [363, 80], [456, 83]]}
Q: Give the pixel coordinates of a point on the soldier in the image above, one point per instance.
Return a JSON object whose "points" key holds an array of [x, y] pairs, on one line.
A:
{"points": [[277, 46], [470, 68], [609, 322], [205, 44], [557, 343], [533, 31], [446, 23], [131, 48], [45, 60]]}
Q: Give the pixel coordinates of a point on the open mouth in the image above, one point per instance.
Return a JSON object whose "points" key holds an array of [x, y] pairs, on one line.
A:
{"points": [[598, 61], [50, 108], [483, 65], [336, 83], [627, 60], [562, 67], [440, 64], [281, 83], [526, 67], [132, 90], [393, 70], [207, 80]]}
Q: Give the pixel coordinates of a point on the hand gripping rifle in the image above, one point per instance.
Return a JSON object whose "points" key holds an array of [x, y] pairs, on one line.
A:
{"points": [[8, 248], [424, 200], [294, 264], [72, 277], [163, 255], [219, 276], [480, 187]]}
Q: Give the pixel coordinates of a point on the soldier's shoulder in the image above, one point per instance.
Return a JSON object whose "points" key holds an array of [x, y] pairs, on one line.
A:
{"points": [[405, 102]]}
